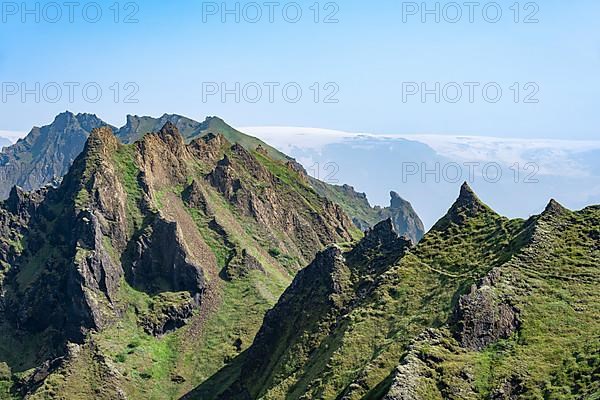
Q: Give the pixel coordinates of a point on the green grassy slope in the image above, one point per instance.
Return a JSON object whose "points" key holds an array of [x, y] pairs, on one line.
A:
{"points": [[403, 317]]}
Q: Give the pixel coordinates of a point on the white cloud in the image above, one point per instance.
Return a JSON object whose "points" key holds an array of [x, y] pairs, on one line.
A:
{"points": [[554, 157], [285, 138]]}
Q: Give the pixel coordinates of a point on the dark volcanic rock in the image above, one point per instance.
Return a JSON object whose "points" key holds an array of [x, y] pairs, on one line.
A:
{"points": [[482, 318], [24, 204], [383, 241], [161, 263], [166, 315], [194, 196]]}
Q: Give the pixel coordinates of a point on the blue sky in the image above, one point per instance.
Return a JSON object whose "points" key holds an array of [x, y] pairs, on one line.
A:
{"points": [[171, 53]]}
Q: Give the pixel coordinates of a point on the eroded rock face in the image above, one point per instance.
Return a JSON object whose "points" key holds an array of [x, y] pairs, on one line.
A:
{"points": [[209, 148], [267, 200], [482, 317], [161, 263], [194, 196], [404, 218], [162, 158]]}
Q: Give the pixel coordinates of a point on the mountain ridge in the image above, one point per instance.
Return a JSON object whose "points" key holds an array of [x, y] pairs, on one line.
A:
{"points": [[453, 318], [35, 161]]}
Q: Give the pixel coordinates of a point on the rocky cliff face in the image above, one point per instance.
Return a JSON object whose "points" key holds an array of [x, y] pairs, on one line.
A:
{"points": [[483, 307], [404, 218], [46, 153]]}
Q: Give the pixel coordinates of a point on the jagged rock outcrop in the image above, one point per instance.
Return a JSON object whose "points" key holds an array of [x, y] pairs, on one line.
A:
{"points": [[404, 218], [194, 196], [160, 261], [66, 279], [136, 127], [138, 236], [162, 158], [45, 155], [482, 317], [260, 194], [167, 314], [23, 204], [209, 147]]}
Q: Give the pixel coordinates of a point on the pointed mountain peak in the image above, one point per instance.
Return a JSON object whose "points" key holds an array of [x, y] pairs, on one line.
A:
{"points": [[467, 199], [554, 208], [101, 138], [396, 201], [169, 129], [64, 119], [466, 206], [68, 120], [65, 115], [170, 136], [467, 195]]}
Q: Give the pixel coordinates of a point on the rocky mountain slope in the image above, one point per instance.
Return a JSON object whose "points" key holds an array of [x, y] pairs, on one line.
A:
{"points": [[405, 220], [151, 265], [46, 154], [482, 308]]}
